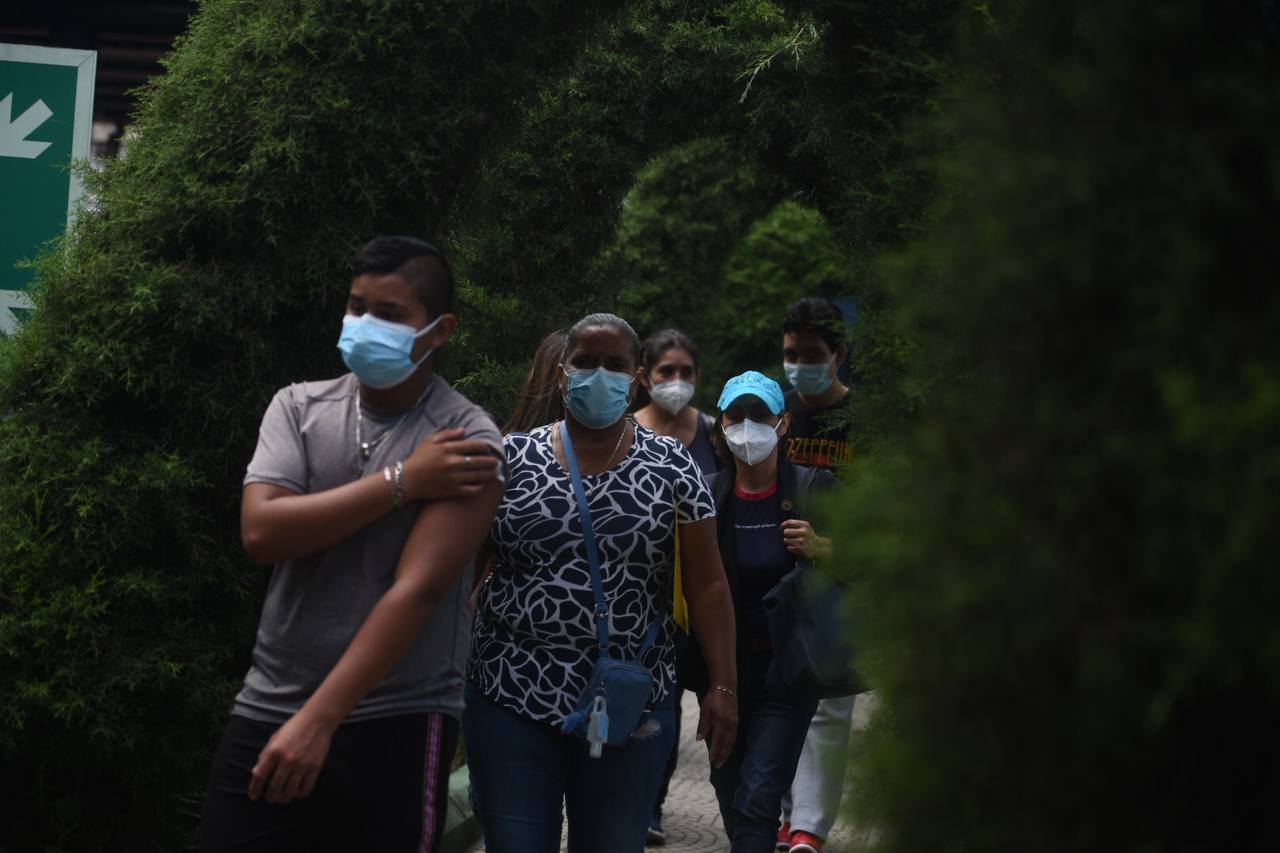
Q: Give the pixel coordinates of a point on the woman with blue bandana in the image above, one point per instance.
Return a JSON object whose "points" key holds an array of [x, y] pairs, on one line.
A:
{"points": [[761, 506], [540, 738]]}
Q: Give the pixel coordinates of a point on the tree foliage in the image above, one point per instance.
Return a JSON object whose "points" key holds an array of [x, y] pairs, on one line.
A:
{"points": [[1065, 577], [281, 136]]}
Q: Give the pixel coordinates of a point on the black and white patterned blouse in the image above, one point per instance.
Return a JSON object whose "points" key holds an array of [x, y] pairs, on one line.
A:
{"points": [[533, 645]]}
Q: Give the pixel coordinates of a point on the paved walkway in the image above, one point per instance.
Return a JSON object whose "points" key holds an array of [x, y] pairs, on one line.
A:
{"points": [[691, 817]]}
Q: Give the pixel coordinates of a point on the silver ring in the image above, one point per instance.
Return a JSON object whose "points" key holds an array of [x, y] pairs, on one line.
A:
{"points": [[466, 462]]}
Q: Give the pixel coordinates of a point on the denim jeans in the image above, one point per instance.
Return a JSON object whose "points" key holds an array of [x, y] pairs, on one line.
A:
{"points": [[523, 772], [750, 784]]}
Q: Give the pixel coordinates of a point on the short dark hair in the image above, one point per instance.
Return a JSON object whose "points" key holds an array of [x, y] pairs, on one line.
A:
{"points": [[815, 314], [601, 319], [418, 262], [659, 342]]}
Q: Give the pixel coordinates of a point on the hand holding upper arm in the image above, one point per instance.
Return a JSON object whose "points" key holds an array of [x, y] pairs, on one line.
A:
{"points": [[449, 464], [444, 538], [280, 519]]}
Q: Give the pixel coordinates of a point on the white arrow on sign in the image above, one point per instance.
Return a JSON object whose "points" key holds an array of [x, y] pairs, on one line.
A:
{"points": [[13, 134], [11, 299]]}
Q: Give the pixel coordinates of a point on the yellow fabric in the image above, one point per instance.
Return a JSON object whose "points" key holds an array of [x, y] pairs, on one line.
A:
{"points": [[679, 609]]}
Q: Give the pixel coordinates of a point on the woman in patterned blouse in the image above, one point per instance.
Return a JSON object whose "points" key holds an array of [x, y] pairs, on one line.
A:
{"points": [[534, 641]]}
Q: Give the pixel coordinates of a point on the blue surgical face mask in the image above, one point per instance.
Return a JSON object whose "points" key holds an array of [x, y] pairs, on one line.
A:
{"points": [[596, 398], [379, 352], [809, 379]]}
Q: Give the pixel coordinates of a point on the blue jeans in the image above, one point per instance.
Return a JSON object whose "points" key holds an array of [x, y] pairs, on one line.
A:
{"points": [[750, 784], [523, 772]]}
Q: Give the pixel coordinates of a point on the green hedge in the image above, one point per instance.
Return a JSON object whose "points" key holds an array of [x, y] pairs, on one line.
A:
{"points": [[281, 136], [1066, 575], [213, 269]]}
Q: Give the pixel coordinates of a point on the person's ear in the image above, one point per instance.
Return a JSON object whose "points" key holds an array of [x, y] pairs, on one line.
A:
{"points": [[642, 376], [784, 425], [842, 352], [437, 337]]}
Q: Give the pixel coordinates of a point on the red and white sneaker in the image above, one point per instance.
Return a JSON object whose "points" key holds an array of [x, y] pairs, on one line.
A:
{"points": [[803, 842], [783, 843]]}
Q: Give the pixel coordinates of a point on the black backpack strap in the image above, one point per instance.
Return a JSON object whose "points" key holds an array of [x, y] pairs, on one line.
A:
{"points": [[804, 487], [721, 483], [799, 482]]}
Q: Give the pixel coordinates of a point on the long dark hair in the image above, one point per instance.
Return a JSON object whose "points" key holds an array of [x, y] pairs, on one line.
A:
{"points": [[539, 402]]}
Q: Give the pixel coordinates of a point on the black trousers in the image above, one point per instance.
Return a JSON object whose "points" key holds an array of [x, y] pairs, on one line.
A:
{"points": [[384, 786]]}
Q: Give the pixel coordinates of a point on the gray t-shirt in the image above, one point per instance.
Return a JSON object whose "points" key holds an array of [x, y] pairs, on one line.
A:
{"points": [[315, 605]]}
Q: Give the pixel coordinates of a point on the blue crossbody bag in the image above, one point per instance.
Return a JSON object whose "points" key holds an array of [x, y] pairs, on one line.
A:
{"points": [[617, 696]]}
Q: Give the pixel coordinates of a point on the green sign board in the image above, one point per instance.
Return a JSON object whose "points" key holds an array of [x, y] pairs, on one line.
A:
{"points": [[46, 117]]}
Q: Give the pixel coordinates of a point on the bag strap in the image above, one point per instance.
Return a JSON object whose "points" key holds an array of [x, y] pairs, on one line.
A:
{"points": [[593, 556], [589, 537], [804, 486], [721, 485]]}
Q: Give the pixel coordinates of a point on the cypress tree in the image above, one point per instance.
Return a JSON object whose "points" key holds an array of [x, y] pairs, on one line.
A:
{"points": [[211, 271], [1065, 579], [213, 267]]}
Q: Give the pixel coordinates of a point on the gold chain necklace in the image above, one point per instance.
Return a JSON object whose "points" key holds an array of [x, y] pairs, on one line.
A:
{"points": [[591, 490]]}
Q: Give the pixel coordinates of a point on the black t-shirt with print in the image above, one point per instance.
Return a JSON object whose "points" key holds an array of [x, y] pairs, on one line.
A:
{"points": [[818, 438], [762, 560]]}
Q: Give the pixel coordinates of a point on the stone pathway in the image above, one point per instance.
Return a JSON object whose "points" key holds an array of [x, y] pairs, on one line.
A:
{"points": [[691, 817]]}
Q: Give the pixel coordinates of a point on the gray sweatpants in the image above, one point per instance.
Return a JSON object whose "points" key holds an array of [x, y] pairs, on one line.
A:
{"points": [[814, 801]]}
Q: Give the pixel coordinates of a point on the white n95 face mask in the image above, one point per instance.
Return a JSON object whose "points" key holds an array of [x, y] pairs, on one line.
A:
{"points": [[672, 395], [751, 441]]}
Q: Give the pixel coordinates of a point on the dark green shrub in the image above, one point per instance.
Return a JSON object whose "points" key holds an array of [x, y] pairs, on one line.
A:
{"points": [[1067, 576], [282, 135], [828, 100]]}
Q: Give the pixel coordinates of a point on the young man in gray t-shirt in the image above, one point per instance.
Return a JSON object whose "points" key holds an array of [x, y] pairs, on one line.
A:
{"points": [[370, 494]]}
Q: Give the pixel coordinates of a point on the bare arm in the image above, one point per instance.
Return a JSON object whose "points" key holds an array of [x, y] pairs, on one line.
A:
{"points": [[711, 610], [440, 546], [278, 524]]}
